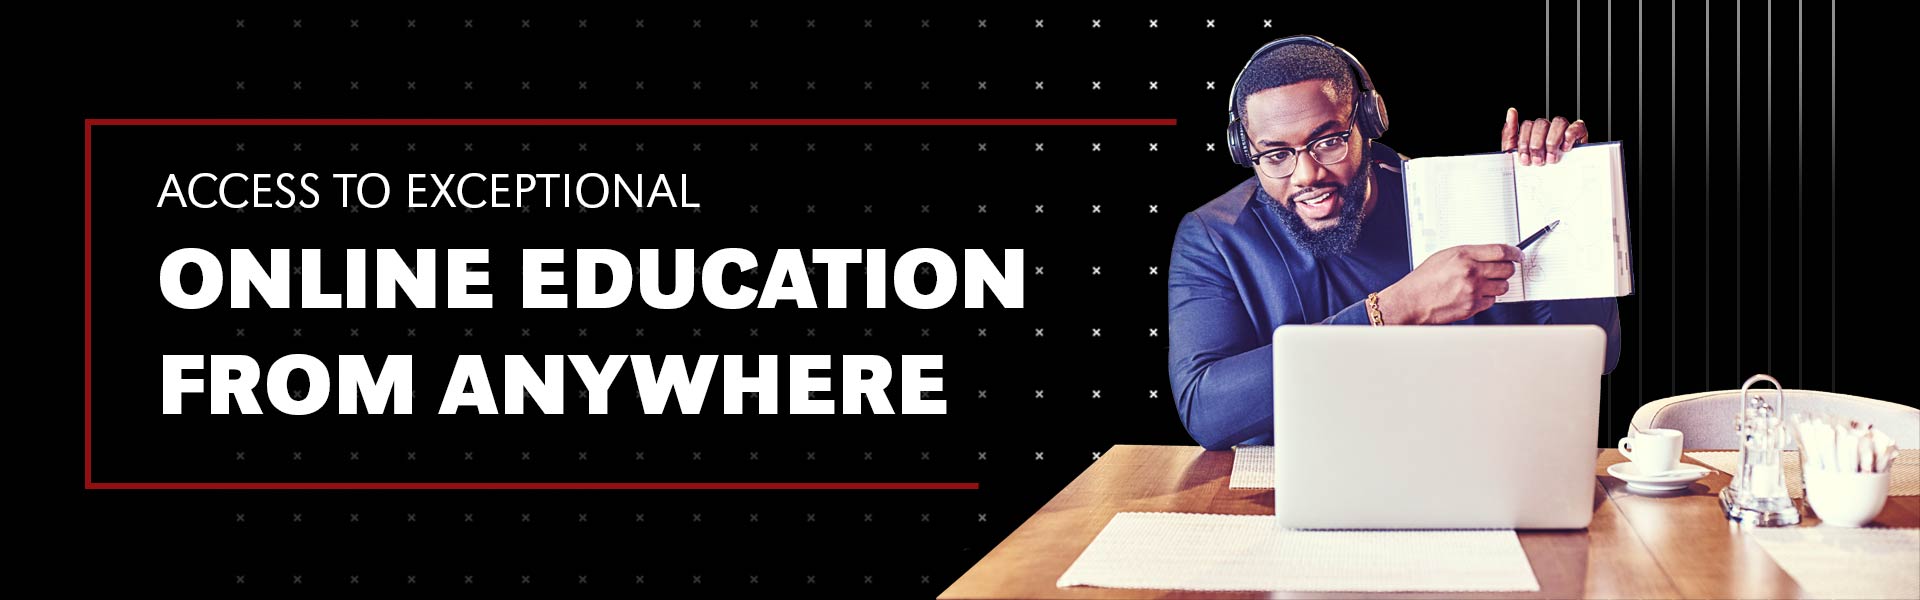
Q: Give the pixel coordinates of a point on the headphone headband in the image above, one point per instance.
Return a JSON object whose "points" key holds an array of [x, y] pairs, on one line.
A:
{"points": [[1364, 82]]}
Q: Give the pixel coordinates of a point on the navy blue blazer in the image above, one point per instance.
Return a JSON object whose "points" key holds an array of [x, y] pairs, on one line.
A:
{"points": [[1236, 275]]}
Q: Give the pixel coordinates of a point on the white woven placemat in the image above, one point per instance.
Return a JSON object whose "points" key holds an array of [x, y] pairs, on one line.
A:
{"points": [[1835, 562], [1215, 553], [1252, 468], [1906, 470]]}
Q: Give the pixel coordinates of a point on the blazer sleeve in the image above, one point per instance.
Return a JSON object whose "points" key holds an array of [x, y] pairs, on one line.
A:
{"points": [[1221, 369]]}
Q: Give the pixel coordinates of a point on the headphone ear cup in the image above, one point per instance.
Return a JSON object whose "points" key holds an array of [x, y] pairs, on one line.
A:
{"points": [[1373, 115], [1236, 141]]}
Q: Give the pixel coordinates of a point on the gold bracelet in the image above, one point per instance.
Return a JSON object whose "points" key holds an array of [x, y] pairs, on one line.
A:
{"points": [[1373, 310]]}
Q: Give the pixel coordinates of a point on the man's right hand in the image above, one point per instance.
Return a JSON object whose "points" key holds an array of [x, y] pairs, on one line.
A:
{"points": [[1451, 285]]}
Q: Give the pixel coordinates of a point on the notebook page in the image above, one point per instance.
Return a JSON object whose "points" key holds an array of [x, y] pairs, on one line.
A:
{"points": [[1578, 259], [1457, 200]]}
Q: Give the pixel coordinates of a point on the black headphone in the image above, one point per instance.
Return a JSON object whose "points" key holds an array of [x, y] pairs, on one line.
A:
{"points": [[1368, 108]]}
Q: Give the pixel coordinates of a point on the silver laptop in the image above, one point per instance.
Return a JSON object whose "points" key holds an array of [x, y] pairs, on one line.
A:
{"points": [[1442, 427]]}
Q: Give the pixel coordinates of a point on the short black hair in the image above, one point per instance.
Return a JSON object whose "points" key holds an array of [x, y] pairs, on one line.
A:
{"points": [[1290, 64]]}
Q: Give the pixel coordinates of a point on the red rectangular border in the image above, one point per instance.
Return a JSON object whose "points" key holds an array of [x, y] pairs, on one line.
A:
{"points": [[777, 485]]}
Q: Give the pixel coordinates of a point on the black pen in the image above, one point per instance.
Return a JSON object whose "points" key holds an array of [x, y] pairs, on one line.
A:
{"points": [[1536, 235]]}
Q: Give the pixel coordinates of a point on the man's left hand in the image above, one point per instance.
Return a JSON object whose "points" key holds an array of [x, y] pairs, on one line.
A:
{"points": [[1541, 141]]}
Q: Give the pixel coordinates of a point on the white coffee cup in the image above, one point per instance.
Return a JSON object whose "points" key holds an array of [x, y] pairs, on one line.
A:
{"points": [[1652, 450], [1846, 499]]}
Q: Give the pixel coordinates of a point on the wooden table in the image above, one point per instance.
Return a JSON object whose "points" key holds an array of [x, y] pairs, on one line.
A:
{"points": [[1676, 545]]}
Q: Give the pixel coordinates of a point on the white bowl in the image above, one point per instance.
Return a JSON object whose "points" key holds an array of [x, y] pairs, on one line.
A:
{"points": [[1846, 499]]}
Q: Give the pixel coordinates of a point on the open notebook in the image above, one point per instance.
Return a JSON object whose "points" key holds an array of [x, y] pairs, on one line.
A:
{"points": [[1490, 199]]}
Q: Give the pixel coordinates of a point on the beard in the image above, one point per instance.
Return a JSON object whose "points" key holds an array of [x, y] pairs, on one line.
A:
{"points": [[1332, 241]]}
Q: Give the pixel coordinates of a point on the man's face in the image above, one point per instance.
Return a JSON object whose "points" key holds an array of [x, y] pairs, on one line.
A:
{"points": [[1290, 116]]}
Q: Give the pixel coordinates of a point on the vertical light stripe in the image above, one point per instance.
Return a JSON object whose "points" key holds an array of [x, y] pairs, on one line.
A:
{"points": [[1606, 381]]}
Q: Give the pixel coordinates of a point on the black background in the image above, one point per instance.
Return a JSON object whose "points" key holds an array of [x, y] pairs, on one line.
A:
{"points": [[1726, 112]]}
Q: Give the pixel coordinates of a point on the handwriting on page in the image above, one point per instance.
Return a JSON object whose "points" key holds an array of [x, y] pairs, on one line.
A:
{"points": [[1574, 260]]}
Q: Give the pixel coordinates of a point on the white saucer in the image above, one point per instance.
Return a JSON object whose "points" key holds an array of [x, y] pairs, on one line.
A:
{"points": [[1630, 473]]}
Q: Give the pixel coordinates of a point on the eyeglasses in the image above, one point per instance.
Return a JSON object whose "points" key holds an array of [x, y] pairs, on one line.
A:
{"points": [[1279, 163]]}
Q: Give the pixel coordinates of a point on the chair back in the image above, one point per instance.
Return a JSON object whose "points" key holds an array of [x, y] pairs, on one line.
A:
{"points": [[1706, 418]]}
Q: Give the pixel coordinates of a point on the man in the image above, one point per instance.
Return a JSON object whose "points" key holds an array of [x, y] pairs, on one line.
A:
{"points": [[1318, 230]]}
